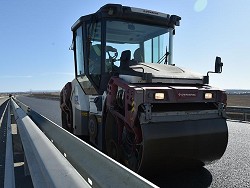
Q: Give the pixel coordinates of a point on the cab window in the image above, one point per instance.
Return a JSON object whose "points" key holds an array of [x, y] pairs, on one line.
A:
{"points": [[79, 60], [79, 52], [94, 59]]}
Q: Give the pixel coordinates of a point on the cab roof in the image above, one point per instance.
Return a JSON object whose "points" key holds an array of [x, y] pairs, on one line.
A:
{"points": [[117, 11]]}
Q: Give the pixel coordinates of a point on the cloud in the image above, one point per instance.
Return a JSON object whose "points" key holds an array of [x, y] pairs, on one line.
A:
{"points": [[200, 5], [57, 73], [15, 76]]}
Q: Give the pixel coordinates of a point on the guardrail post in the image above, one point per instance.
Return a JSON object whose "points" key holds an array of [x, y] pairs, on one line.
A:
{"points": [[26, 167], [245, 116]]}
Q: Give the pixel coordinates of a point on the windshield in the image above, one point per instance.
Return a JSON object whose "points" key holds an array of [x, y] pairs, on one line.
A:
{"points": [[147, 43]]}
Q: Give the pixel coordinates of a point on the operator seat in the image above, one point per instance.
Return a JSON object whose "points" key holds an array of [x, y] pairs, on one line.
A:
{"points": [[125, 59], [138, 55]]}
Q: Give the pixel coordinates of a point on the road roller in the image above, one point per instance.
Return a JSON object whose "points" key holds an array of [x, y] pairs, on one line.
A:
{"points": [[129, 98]]}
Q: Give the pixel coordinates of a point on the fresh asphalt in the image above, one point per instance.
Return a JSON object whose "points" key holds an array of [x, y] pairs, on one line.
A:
{"points": [[232, 170]]}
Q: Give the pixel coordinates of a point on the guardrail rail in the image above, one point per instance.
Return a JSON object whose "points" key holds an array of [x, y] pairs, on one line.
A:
{"points": [[97, 169], [48, 168], [57, 158], [9, 162], [7, 177], [238, 113]]}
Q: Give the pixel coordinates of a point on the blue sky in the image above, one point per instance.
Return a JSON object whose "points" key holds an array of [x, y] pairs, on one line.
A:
{"points": [[35, 37]]}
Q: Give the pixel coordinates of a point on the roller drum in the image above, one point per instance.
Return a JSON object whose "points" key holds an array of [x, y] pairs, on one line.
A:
{"points": [[182, 144]]}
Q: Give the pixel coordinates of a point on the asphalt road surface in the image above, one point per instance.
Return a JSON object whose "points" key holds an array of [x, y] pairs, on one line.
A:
{"points": [[48, 108], [232, 170]]}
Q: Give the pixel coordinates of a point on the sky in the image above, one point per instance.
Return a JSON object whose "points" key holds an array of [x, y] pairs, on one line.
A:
{"points": [[35, 36]]}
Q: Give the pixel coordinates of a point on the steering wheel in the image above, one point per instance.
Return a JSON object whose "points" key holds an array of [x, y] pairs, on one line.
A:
{"points": [[109, 49]]}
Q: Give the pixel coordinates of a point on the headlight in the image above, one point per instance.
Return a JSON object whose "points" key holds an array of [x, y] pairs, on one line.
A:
{"points": [[159, 96], [208, 95]]}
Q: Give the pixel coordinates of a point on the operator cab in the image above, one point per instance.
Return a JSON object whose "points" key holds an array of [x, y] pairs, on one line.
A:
{"points": [[107, 42]]}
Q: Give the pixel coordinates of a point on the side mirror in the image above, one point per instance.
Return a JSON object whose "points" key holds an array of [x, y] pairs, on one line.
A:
{"points": [[218, 65], [218, 69]]}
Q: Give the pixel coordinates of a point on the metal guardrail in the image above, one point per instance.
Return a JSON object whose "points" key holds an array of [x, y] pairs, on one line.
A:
{"points": [[239, 109], [95, 167], [47, 166], [9, 180], [7, 166]]}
